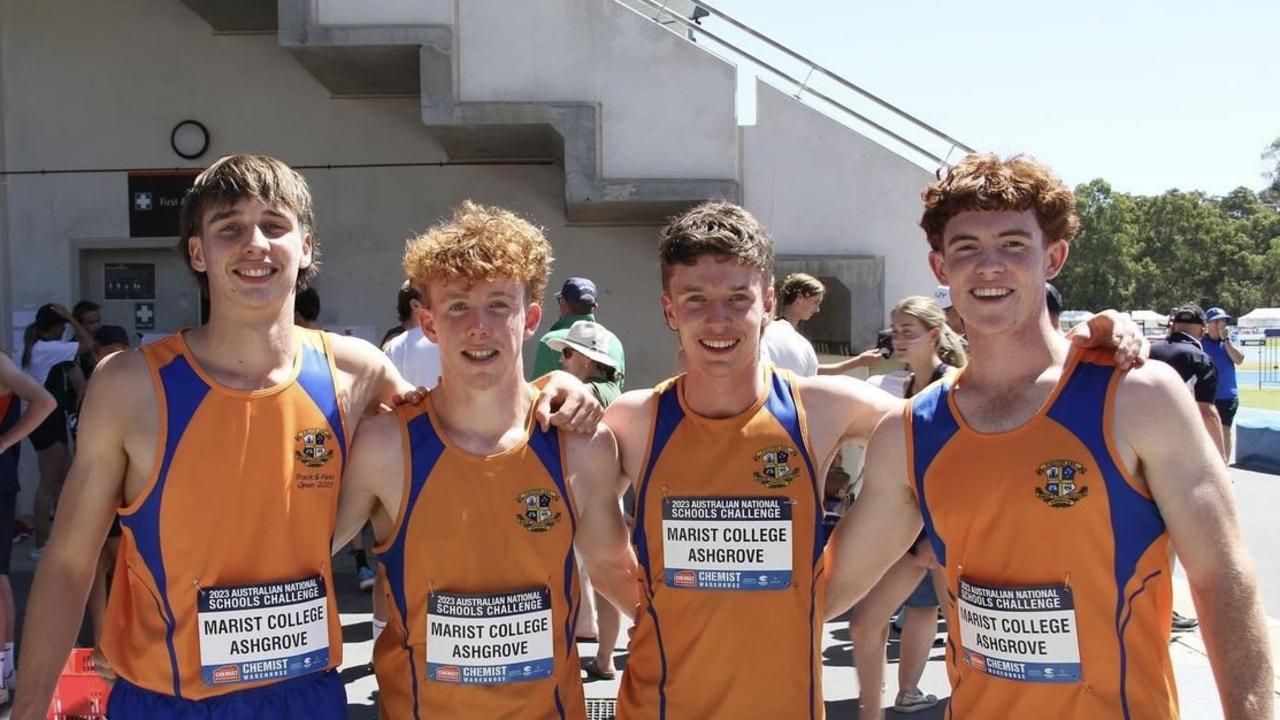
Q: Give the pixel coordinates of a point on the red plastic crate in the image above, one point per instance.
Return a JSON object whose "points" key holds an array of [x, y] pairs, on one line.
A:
{"points": [[81, 694]]}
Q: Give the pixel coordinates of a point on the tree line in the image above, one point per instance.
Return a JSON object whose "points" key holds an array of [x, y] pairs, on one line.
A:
{"points": [[1156, 252]]}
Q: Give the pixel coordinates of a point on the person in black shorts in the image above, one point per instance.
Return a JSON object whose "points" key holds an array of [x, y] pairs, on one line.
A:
{"points": [[15, 387]]}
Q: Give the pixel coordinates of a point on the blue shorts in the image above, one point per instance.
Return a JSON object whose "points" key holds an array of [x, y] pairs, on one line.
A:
{"points": [[923, 595], [320, 696]]}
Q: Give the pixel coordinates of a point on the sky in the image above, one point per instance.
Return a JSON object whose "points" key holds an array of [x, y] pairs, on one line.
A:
{"points": [[1147, 95]]}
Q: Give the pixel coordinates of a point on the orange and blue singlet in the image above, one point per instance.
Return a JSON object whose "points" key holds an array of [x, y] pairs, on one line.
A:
{"points": [[223, 588], [1056, 556], [482, 581], [728, 534]]}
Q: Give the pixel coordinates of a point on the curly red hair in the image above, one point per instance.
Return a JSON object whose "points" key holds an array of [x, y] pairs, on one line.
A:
{"points": [[985, 182]]}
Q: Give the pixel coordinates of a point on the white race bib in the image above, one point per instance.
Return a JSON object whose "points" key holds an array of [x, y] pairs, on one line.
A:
{"points": [[727, 543], [489, 639], [263, 632], [1020, 633]]}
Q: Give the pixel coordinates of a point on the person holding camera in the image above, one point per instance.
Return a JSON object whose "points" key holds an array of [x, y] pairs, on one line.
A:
{"points": [[929, 348], [800, 298]]}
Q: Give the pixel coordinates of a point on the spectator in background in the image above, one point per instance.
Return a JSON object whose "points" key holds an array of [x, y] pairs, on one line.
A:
{"points": [[15, 424], [800, 298], [942, 296], [1053, 299], [408, 300], [43, 349], [591, 353], [107, 341], [923, 341], [411, 351], [577, 302], [1181, 349], [1226, 356], [306, 309], [89, 314]]}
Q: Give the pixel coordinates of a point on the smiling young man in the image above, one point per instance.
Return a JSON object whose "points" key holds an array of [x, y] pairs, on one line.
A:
{"points": [[221, 448], [477, 511], [1050, 483], [727, 462]]}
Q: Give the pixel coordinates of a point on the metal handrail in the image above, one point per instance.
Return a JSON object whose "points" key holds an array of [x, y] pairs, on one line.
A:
{"points": [[804, 85]]}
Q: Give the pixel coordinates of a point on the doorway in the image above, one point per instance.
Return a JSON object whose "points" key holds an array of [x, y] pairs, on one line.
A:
{"points": [[148, 291]]}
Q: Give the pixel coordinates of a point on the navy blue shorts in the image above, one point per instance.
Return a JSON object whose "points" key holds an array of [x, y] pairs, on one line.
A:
{"points": [[320, 696], [923, 595]]}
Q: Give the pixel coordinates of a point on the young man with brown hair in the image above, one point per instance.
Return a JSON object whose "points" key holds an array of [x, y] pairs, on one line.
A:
{"points": [[1051, 482]]}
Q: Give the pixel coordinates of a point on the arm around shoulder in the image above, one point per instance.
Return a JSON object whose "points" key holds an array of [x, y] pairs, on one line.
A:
{"points": [[879, 526], [373, 475], [598, 485], [374, 380]]}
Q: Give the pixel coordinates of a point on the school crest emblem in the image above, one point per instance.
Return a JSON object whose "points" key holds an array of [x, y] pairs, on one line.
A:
{"points": [[538, 515], [1060, 478], [778, 466], [312, 450]]}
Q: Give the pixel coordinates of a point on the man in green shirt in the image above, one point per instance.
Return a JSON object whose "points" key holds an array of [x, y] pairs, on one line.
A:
{"points": [[577, 302], [591, 353]]}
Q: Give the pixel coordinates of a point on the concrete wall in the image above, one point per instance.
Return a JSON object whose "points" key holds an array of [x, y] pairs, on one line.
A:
{"points": [[667, 107], [384, 12], [89, 86], [825, 190]]}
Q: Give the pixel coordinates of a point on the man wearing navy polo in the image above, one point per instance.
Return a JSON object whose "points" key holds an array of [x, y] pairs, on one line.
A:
{"points": [[1226, 356]]}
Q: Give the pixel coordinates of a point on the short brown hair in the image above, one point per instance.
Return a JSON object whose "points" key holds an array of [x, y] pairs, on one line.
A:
{"points": [[236, 177], [479, 244], [984, 182], [798, 285], [716, 228]]}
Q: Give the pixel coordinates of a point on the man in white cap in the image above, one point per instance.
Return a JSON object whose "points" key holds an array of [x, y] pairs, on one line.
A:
{"points": [[943, 295], [591, 353]]}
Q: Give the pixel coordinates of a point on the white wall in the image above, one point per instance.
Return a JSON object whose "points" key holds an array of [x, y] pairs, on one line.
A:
{"points": [[824, 189], [667, 106], [384, 12], [97, 85]]}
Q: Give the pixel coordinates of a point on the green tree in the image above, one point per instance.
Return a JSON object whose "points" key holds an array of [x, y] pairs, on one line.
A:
{"points": [[1102, 270], [1271, 195]]}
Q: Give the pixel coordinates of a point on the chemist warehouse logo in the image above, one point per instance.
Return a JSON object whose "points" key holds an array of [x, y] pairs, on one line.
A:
{"points": [[538, 515], [1060, 488], [777, 471], [311, 448]]}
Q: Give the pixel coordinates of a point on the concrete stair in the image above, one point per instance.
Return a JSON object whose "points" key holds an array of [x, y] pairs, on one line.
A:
{"points": [[420, 60]]}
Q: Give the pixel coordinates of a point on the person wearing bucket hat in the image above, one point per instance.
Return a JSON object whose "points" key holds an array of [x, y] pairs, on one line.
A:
{"points": [[1226, 356], [578, 299], [591, 353]]}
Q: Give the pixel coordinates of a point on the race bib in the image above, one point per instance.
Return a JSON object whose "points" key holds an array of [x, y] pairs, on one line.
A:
{"points": [[489, 639], [727, 543], [1020, 633], [263, 632]]}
